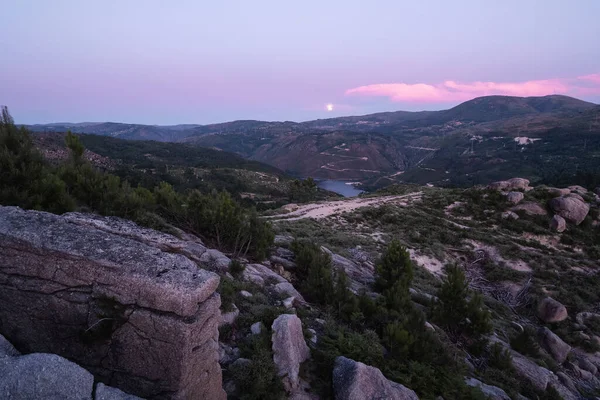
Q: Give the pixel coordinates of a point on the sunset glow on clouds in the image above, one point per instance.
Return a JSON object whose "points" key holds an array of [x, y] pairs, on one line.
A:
{"points": [[451, 91]]}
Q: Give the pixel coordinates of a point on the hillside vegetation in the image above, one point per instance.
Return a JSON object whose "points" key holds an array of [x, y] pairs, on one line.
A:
{"points": [[551, 140]]}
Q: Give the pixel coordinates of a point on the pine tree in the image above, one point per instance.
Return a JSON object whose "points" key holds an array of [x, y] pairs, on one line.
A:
{"points": [[458, 309], [394, 276]]}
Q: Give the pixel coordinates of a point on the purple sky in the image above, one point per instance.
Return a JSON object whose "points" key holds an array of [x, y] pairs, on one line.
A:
{"points": [[192, 61]]}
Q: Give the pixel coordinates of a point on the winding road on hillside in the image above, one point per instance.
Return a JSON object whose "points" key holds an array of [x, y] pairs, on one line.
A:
{"points": [[329, 208]]}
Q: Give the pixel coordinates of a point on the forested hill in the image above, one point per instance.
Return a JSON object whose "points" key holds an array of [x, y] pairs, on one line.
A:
{"points": [[487, 138]]}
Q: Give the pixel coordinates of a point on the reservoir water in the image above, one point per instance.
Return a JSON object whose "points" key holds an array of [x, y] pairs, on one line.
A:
{"points": [[340, 187]]}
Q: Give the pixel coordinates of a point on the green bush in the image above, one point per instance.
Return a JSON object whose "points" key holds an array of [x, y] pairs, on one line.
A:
{"points": [[258, 380]]}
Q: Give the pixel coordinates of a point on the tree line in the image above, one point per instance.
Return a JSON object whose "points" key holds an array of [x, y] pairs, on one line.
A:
{"points": [[27, 180]]}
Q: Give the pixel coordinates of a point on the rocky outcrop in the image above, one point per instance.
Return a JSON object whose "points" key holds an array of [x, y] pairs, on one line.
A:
{"points": [[558, 224], [571, 208], [530, 208], [550, 310], [511, 184], [136, 316], [359, 274], [289, 349], [514, 197], [557, 348], [356, 381], [492, 392], [190, 246]]}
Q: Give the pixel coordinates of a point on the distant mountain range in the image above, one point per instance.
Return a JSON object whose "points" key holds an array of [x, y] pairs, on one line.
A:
{"points": [[485, 138]]}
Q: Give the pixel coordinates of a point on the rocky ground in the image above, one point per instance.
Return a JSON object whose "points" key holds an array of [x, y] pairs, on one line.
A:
{"points": [[533, 253]]}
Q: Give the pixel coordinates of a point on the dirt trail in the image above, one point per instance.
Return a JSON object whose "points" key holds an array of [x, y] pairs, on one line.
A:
{"points": [[326, 209]]}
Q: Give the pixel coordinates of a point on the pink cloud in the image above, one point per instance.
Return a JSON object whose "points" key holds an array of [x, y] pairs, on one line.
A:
{"points": [[451, 91]]}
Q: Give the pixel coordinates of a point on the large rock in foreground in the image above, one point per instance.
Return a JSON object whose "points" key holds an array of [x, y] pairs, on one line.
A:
{"points": [[572, 208], [356, 381], [43, 376], [139, 318], [289, 349]]}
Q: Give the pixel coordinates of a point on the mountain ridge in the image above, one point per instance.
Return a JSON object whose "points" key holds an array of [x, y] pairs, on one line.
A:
{"points": [[475, 138]]}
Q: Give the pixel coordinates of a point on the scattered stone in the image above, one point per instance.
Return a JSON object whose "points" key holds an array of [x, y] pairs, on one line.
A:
{"points": [[581, 373], [566, 380], [550, 310], [289, 302], [558, 192], [492, 392], [246, 294], [578, 189], [287, 264], [558, 223], [214, 260], [229, 318], [564, 392], [356, 381], [285, 253], [44, 376], [228, 354], [510, 215], [104, 392], [515, 197], [533, 373], [557, 348], [359, 274], [587, 365], [571, 208], [7, 349], [241, 363], [257, 327], [582, 317], [289, 349], [313, 336], [260, 275], [290, 207], [283, 240], [287, 289], [530, 208]]}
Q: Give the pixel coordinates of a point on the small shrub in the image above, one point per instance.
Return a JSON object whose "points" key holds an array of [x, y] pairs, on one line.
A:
{"points": [[236, 268]]}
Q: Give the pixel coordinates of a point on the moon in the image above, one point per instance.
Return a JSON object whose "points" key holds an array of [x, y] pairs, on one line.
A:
{"points": [[329, 107]]}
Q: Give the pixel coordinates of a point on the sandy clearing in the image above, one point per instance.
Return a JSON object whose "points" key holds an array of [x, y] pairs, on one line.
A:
{"points": [[431, 264], [326, 209], [493, 253]]}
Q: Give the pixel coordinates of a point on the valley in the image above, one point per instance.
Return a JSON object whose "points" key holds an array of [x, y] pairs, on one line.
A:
{"points": [[469, 144]]}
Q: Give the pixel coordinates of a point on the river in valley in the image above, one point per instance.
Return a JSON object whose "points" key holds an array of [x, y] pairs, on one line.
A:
{"points": [[340, 187]]}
